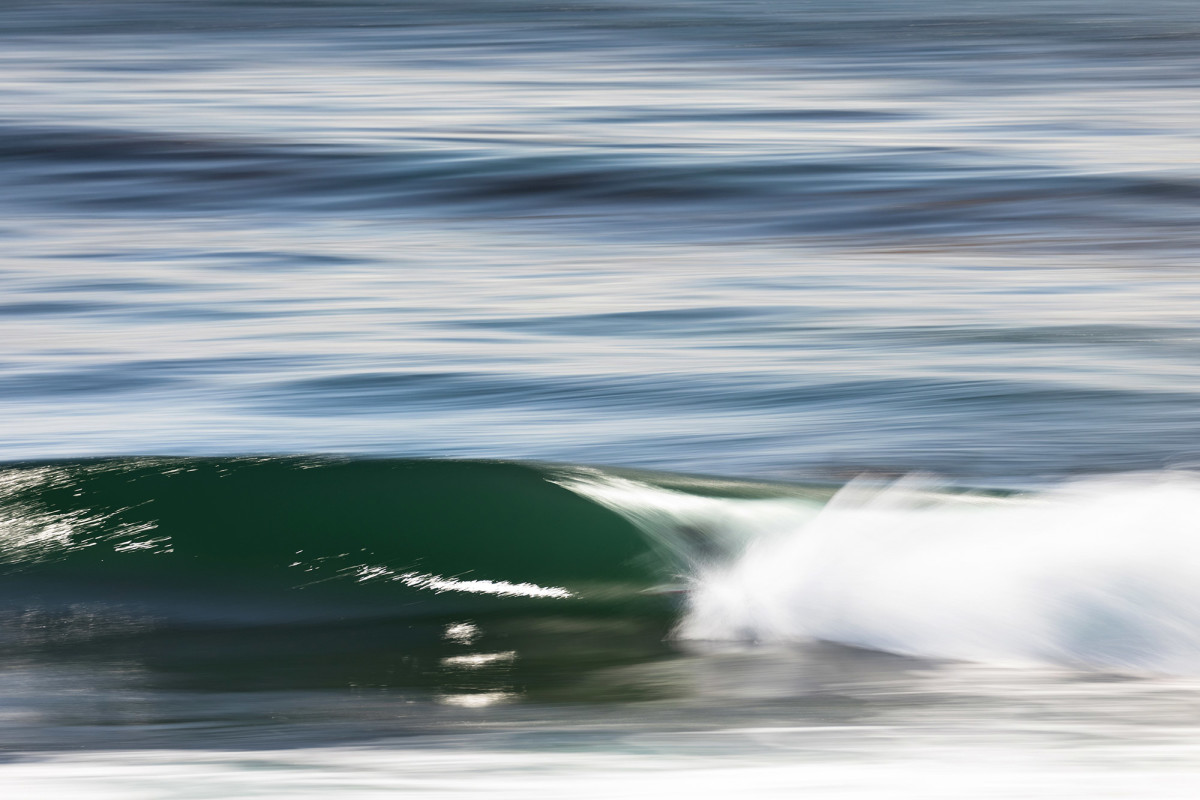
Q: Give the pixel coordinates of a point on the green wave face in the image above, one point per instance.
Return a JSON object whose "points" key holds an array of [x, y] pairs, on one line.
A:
{"points": [[472, 582], [261, 539]]}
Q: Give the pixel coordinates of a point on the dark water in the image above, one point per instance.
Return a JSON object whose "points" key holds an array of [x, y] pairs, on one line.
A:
{"points": [[350, 297]]}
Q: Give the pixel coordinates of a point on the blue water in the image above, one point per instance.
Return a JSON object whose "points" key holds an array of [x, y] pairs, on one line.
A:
{"points": [[771, 239], [778, 241]]}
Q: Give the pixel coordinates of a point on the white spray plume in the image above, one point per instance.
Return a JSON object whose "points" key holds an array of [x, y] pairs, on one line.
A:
{"points": [[1102, 573], [1098, 573]]}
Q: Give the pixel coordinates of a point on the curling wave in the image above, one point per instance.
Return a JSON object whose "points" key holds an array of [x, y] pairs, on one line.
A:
{"points": [[1102, 573]]}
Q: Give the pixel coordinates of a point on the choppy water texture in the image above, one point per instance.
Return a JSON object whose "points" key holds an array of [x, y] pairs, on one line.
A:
{"points": [[783, 243]]}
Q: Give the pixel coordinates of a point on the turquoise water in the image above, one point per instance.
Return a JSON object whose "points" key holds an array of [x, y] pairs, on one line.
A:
{"points": [[476, 398]]}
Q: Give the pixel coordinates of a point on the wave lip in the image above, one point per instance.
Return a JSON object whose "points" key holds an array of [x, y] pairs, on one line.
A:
{"points": [[1099, 574]]}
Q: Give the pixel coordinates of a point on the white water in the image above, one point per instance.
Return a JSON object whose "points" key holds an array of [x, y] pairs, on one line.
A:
{"points": [[1096, 574], [397, 770]]}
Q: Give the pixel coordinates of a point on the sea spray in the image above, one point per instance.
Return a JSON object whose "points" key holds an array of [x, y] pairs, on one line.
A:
{"points": [[1098, 573]]}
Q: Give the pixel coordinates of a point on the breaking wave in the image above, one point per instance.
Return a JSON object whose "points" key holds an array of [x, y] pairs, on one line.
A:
{"points": [[1102, 573], [1098, 573]]}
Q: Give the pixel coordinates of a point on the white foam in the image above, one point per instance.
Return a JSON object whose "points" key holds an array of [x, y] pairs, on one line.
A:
{"points": [[453, 773], [1097, 573]]}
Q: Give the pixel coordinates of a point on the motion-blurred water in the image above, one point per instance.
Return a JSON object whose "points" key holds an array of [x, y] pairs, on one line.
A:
{"points": [[771, 238], [777, 240]]}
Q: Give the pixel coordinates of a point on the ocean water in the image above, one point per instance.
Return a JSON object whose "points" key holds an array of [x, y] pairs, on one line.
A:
{"points": [[599, 398]]}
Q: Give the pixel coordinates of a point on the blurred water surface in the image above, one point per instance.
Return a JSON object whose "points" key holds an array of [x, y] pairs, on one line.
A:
{"points": [[763, 240], [745, 238]]}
